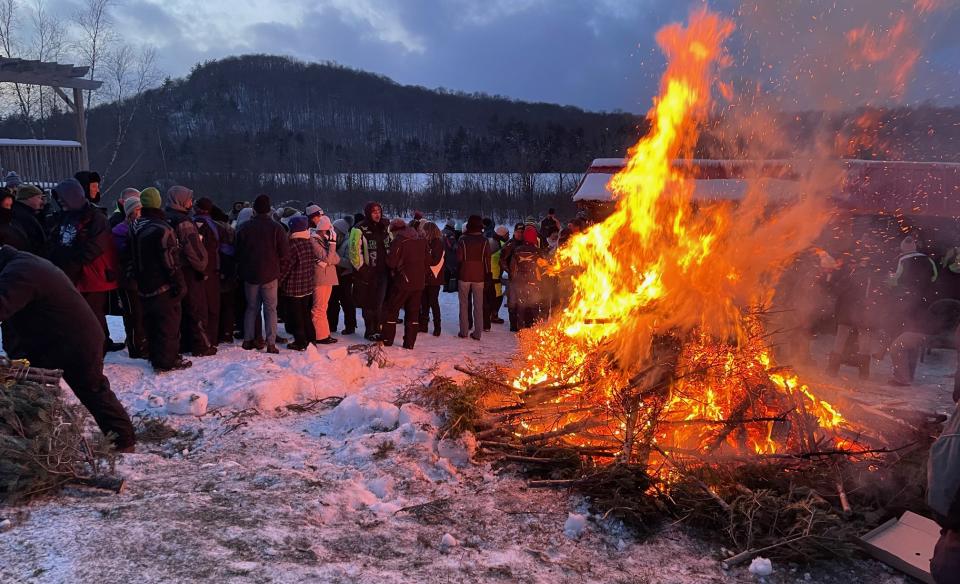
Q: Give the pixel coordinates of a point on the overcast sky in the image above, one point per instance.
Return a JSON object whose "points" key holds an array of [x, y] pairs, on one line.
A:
{"points": [[596, 54]]}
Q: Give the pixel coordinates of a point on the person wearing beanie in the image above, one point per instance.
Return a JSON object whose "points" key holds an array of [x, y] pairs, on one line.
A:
{"points": [[90, 181], [193, 264], [28, 218], [297, 284], [82, 246], [550, 224], [155, 267], [505, 253], [118, 215], [324, 239], [313, 211], [341, 296], [130, 305], [493, 292], [260, 251], [525, 289], [12, 182], [56, 329], [150, 198], [367, 252], [210, 236], [473, 256], [409, 259]]}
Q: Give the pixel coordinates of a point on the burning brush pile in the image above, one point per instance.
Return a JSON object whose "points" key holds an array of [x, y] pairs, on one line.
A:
{"points": [[656, 385]]}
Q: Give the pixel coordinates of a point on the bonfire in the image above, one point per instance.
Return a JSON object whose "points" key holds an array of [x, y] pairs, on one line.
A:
{"points": [[660, 363]]}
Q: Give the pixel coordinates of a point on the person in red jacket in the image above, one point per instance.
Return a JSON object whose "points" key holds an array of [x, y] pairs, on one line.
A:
{"points": [[408, 259], [83, 247], [473, 257]]}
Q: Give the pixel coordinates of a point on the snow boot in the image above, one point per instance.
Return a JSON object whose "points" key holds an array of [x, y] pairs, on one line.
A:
{"points": [[273, 350], [436, 328], [833, 365]]}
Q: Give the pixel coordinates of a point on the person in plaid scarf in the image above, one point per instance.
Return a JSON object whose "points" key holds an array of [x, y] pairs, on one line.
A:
{"points": [[297, 284]]}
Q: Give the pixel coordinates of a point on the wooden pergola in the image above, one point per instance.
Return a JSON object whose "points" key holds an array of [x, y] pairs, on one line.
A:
{"points": [[58, 76]]}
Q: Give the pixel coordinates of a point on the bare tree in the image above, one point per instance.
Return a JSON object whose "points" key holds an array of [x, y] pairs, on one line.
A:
{"points": [[131, 71], [47, 45], [96, 36]]}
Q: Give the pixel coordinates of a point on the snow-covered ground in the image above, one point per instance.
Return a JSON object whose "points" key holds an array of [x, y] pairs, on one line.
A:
{"points": [[256, 491]]}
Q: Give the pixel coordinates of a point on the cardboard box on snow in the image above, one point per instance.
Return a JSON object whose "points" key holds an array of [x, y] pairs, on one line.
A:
{"points": [[905, 544]]}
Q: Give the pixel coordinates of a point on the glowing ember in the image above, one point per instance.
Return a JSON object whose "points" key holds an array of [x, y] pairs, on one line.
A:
{"points": [[657, 343]]}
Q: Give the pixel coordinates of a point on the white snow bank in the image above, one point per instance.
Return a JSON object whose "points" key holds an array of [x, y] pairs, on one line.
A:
{"points": [[361, 414]]}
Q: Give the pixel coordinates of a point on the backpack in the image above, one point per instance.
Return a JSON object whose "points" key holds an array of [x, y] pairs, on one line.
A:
{"points": [[943, 474], [525, 266]]}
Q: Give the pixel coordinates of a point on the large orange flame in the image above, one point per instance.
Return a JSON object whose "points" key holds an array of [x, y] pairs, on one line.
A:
{"points": [[660, 266]]}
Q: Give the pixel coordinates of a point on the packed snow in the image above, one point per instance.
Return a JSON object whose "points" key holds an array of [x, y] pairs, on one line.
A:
{"points": [[303, 467]]}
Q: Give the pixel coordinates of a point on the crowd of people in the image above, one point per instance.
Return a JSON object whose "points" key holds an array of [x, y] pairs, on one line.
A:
{"points": [[186, 276]]}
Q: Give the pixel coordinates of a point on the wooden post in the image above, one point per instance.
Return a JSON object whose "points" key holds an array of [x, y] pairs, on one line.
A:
{"points": [[80, 116]]}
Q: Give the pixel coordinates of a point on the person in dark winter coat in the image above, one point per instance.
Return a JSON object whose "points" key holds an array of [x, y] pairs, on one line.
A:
{"points": [[129, 297], [227, 237], [193, 263], [155, 262], [28, 217], [260, 251], [82, 246], [435, 278], [473, 256], [56, 329], [913, 285], [341, 297], [505, 254], [451, 265], [297, 284], [409, 260], [855, 283], [10, 233], [210, 234], [367, 253], [526, 288]]}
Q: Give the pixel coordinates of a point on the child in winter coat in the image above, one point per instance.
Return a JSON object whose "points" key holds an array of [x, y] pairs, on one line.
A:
{"points": [[297, 283], [324, 241]]}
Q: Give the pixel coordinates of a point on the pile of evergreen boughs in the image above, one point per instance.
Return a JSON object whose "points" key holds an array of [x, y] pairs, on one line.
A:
{"points": [[44, 444]]}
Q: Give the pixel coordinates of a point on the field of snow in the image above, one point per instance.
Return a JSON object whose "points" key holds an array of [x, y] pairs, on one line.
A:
{"points": [[261, 489]]}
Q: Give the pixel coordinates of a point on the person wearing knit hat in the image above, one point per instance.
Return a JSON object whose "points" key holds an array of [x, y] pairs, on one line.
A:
{"points": [[524, 295], [132, 207], [313, 211], [367, 252], [82, 246], [193, 263], [297, 284], [12, 181], [325, 240], [118, 215], [474, 224], [151, 199], [28, 218], [260, 250], [130, 300]]}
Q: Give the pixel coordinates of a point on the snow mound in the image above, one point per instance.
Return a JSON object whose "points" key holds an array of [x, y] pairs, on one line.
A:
{"points": [[188, 403], [761, 566], [360, 414], [575, 525]]}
